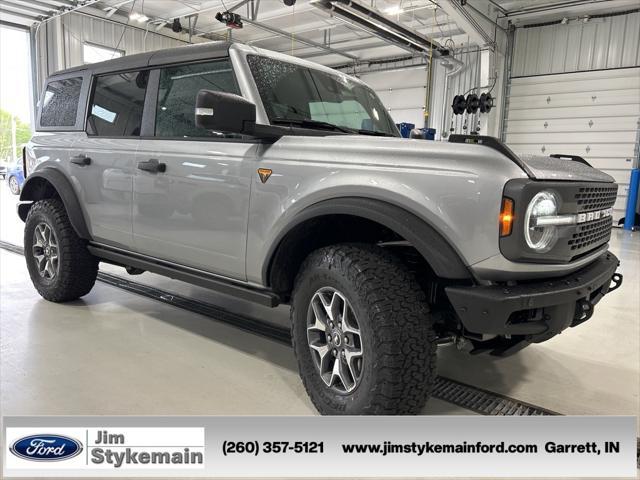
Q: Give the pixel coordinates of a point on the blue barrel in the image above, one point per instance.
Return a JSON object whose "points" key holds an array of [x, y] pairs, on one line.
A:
{"points": [[405, 128]]}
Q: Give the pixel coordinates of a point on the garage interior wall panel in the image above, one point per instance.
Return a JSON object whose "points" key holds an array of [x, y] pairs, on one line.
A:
{"points": [[600, 43], [593, 114], [403, 92], [60, 41]]}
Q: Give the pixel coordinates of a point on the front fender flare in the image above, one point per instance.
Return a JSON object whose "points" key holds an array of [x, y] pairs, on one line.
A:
{"points": [[37, 187], [435, 249]]}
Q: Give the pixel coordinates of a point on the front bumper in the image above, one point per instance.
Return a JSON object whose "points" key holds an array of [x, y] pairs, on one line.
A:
{"points": [[536, 310]]}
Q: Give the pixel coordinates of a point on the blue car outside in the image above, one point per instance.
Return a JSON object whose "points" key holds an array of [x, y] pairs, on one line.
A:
{"points": [[15, 177]]}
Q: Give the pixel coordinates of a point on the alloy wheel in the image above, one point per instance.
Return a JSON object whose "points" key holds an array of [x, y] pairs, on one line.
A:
{"points": [[335, 341], [13, 185], [45, 251]]}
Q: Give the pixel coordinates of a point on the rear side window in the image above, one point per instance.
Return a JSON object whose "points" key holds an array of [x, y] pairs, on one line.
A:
{"points": [[60, 103], [179, 86], [116, 104]]}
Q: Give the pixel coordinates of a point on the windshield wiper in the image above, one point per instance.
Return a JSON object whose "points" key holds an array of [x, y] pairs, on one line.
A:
{"points": [[308, 123]]}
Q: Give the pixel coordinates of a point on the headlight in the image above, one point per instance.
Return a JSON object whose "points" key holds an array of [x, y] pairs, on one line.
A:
{"points": [[540, 238]]}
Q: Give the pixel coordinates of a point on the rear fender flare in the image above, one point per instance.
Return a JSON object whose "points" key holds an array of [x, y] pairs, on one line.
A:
{"points": [[37, 187]]}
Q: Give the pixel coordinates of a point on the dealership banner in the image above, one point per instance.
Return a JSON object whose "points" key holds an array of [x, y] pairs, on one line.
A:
{"points": [[421, 446]]}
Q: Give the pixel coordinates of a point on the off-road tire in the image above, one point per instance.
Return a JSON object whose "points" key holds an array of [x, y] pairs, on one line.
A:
{"points": [[77, 268], [399, 350]]}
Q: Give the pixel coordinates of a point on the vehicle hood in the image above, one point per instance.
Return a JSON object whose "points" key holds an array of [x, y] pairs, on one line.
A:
{"points": [[551, 168]]}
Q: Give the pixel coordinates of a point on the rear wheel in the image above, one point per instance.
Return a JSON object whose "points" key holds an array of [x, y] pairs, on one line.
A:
{"points": [[362, 333], [14, 186], [60, 266]]}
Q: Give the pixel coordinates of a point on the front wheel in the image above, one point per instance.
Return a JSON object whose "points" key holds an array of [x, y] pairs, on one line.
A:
{"points": [[60, 266], [362, 333]]}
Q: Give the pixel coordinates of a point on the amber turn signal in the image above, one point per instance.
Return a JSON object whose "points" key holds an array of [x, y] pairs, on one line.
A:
{"points": [[506, 217]]}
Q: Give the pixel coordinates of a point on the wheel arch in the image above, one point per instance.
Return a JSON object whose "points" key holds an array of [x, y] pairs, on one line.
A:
{"points": [[287, 253], [50, 183]]}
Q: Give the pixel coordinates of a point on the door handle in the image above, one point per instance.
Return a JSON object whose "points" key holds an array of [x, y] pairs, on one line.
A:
{"points": [[152, 165], [82, 160]]}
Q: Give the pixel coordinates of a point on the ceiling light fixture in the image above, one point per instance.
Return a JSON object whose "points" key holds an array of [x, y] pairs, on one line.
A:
{"points": [[395, 10], [110, 11], [377, 23], [138, 17]]}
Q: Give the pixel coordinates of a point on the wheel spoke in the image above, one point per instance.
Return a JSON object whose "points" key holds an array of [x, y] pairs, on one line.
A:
{"points": [[48, 268], [320, 316], [334, 306], [350, 355], [39, 237], [323, 353], [326, 305]]}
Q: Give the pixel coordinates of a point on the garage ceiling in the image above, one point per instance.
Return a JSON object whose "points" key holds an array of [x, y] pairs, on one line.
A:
{"points": [[307, 31]]}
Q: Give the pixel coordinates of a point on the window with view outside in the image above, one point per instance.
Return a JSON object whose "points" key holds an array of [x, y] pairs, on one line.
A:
{"points": [[16, 99], [295, 92], [179, 87], [117, 103]]}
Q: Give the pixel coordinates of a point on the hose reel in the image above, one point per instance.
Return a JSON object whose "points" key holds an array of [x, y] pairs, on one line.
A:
{"points": [[472, 103]]}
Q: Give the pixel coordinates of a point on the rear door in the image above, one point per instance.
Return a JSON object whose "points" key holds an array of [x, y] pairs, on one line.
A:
{"points": [[103, 157], [191, 186]]}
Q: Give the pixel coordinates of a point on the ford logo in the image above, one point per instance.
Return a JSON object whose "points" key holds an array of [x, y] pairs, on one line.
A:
{"points": [[46, 448]]}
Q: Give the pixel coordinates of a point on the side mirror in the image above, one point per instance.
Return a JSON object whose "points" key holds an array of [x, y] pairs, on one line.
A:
{"points": [[224, 112]]}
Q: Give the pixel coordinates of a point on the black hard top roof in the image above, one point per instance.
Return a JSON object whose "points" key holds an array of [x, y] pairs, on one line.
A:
{"points": [[186, 53]]}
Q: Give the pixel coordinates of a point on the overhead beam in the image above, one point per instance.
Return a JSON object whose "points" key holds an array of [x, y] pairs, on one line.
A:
{"points": [[22, 11], [304, 41], [479, 29], [47, 7], [238, 5]]}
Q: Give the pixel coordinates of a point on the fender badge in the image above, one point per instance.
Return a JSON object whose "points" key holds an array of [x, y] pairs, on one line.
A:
{"points": [[264, 174]]}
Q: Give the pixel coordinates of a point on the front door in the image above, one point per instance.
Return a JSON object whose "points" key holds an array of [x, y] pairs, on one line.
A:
{"points": [[191, 186]]}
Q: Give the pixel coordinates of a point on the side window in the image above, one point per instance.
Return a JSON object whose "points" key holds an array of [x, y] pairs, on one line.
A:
{"points": [[116, 105], [177, 93], [60, 103]]}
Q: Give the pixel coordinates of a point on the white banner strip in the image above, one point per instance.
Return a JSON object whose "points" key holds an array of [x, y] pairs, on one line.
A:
{"points": [[320, 446]]}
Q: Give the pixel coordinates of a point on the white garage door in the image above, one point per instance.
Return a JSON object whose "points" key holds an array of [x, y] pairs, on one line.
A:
{"points": [[402, 92], [592, 114]]}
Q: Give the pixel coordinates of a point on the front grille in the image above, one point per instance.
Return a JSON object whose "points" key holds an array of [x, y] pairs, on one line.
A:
{"points": [[595, 198], [588, 236], [592, 233], [575, 198]]}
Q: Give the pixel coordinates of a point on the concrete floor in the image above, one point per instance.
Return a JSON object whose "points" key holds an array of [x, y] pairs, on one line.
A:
{"points": [[113, 352]]}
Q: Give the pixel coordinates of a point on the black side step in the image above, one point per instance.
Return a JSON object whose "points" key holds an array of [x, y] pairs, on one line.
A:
{"points": [[195, 277]]}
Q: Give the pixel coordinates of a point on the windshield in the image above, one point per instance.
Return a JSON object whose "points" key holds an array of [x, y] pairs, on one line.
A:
{"points": [[297, 93]]}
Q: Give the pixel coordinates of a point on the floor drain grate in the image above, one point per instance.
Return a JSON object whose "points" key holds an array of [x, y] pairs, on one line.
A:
{"points": [[483, 401]]}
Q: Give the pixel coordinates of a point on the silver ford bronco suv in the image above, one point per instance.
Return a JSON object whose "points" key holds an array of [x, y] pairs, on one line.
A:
{"points": [[277, 180]]}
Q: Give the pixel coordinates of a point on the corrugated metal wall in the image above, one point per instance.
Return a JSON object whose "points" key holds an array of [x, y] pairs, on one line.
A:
{"points": [[591, 114], [609, 42], [575, 89], [60, 41]]}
